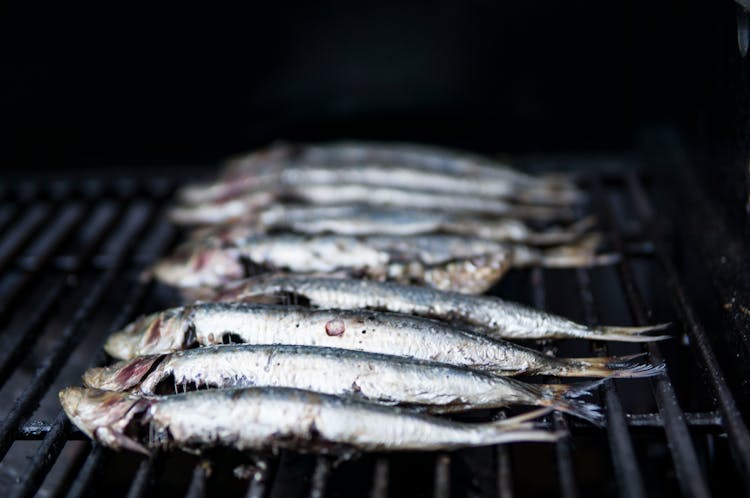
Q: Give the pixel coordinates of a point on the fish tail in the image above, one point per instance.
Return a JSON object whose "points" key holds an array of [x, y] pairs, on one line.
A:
{"points": [[565, 398], [581, 254], [630, 334], [563, 235], [633, 366], [521, 429]]}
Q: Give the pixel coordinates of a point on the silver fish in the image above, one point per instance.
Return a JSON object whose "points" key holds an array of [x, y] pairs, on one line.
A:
{"points": [[374, 377], [248, 204], [208, 324], [486, 314], [300, 176], [463, 264], [275, 418]]}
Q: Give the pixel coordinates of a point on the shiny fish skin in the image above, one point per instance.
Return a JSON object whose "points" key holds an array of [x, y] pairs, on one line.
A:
{"points": [[262, 168], [446, 262], [359, 220], [300, 176], [272, 419], [207, 324], [248, 204], [380, 378], [487, 314]]}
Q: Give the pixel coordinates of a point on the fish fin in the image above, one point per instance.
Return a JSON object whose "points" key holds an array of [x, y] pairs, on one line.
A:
{"points": [[117, 440], [631, 366], [522, 420], [563, 235], [565, 398], [580, 254], [631, 334]]}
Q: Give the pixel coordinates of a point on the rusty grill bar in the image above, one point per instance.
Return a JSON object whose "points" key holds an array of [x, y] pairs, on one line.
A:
{"points": [[70, 261]]}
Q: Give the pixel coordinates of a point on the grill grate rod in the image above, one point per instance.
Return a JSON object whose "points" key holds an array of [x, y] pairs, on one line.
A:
{"points": [[23, 339], [739, 438], [627, 472], [562, 447], [686, 462], [59, 430]]}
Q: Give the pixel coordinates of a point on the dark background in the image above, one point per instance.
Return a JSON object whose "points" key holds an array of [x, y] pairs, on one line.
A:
{"points": [[176, 84]]}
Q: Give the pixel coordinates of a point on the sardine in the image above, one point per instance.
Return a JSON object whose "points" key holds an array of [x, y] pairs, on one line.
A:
{"points": [[384, 379], [301, 176], [329, 195], [363, 220], [463, 264], [208, 324], [266, 419], [485, 314], [371, 163]]}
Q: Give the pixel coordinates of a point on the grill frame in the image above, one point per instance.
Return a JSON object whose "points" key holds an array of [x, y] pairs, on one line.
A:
{"points": [[272, 481]]}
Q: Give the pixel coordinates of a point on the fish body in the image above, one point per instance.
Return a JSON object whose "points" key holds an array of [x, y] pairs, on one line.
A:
{"points": [[489, 315], [385, 165], [363, 220], [380, 378], [464, 264], [264, 419], [207, 324]]}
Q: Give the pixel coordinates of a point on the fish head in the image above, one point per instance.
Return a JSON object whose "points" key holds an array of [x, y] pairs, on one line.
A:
{"points": [[201, 265], [163, 332], [122, 375], [104, 416]]}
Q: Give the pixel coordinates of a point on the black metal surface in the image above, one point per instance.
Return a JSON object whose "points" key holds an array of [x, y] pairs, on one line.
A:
{"points": [[71, 258]]}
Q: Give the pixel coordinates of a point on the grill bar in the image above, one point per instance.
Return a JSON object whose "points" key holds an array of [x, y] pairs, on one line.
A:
{"points": [[739, 437], [687, 467], [61, 427], [69, 338], [143, 477], [562, 447], [627, 472], [92, 464], [380, 479], [197, 488]]}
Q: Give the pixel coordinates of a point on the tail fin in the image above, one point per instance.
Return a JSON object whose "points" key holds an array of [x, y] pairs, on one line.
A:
{"points": [[564, 397], [519, 429], [630, 334], [607, 366], [581, 254], [563, 235]]}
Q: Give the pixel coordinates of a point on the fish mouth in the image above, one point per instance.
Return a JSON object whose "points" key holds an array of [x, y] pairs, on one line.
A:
{"points": [[122, 375], [205, 266], [106, 416], [164, 332]]}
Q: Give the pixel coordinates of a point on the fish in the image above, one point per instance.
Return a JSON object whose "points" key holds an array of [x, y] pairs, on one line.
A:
{"points": [[448, 262], [380, 378], [361, 220], [301, 176], [488, 315], [247, 205], [270, 419], [206, 324]]}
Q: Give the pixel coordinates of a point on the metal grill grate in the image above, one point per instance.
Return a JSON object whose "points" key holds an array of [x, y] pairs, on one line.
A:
{"points": [[70, 261]]}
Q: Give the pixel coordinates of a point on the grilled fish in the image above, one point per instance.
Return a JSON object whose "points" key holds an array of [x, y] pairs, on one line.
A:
{"points": [[392, 165], [381, 378], [272, 419], [247, 204], [485, 314], [463, 264], [207, 324], [361, 220]]}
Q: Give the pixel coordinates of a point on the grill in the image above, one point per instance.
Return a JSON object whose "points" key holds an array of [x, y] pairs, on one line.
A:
{"points": [[71, 261]]}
